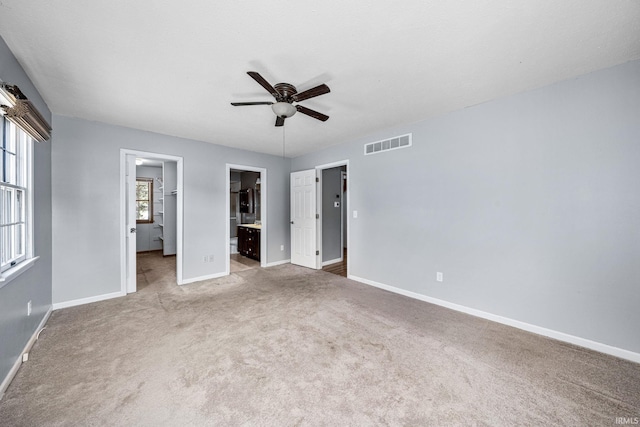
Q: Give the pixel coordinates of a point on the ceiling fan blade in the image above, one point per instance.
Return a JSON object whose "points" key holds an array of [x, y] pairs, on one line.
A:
{"points": [[262, 82], [312, 113], [240, 104], [310, 93], [280, 121]]}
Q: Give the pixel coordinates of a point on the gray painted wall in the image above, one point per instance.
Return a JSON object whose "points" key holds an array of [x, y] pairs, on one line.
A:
{"points": [[331, 221], [529, 205], [87, 261], [15, 327]]}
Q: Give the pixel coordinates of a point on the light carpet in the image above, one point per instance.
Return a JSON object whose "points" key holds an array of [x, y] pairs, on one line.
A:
{"points": [[288, 346]]}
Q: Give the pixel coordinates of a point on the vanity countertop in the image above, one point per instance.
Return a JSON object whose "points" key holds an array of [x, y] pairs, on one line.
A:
{"points": [[256, 226]]}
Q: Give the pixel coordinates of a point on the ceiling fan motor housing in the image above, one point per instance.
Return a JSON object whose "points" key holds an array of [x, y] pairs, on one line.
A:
{"points": [[283, 107], [286, 91]]}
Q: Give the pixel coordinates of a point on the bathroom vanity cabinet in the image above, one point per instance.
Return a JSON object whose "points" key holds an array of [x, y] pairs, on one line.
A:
{"points": [[249, 241]]}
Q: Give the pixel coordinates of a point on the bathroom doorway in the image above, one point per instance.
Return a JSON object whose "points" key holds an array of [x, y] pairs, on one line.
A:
{"points": [[246, 214]]}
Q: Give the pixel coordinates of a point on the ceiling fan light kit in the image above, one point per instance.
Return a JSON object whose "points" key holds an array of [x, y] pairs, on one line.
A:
{"points": [[283, 109], [286, 94]]}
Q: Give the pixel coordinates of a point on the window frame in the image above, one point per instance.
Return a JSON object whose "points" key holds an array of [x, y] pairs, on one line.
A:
{"points": [[149, 181], [25, 184]]}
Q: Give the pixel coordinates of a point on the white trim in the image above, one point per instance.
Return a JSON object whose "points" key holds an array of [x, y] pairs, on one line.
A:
{"points": [[334, 164], [12, 273], [88, 300], [263, 213], [29, 188], [319, 206], [273, 264], [332, 261], [320, 223], [16, 366], [179, 218], [560, 336], [123, 214], [201, 278]]}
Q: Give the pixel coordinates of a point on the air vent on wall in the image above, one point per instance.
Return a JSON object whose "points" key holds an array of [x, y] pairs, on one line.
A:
{"points": [[402, 141]]}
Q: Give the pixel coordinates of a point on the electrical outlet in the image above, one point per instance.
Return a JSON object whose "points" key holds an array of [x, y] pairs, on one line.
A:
{"points": [[29, 308], [211, 258], [282, 247], [25, 357], [355, 214], [439, 276]]}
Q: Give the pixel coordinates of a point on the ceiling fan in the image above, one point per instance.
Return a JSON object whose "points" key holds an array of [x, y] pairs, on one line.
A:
{"points": [[285, 94]]}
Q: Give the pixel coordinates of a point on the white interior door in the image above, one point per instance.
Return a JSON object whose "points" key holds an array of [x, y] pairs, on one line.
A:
{"points": [[303, 218], [130, 231]]}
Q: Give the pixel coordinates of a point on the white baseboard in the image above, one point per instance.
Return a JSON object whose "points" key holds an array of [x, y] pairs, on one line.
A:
{"points": [[273, 264], [16, 366], [332, 261], [201, 278], [561, 336], [81, 301], [218, 275]]}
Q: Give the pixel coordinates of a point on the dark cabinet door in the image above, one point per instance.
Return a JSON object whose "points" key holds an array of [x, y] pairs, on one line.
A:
{"points": [[249, 242], [242, 240], [250, 238], [256, 245]]}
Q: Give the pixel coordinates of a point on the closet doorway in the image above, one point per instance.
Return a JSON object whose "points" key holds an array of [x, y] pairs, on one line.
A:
{"points": [[151, 196], [332, 206]]}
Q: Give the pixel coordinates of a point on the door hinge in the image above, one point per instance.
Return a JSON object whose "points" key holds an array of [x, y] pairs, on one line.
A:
{"points": [[317, 216], [317, 252], [317, 179]]}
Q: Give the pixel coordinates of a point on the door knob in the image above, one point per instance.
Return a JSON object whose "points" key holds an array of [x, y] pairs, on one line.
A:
{"points": [[133, 230], [291, 222]]}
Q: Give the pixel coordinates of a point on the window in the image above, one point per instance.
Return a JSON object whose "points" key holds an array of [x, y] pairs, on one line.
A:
{"points": [[144, 200], [15, 197]]}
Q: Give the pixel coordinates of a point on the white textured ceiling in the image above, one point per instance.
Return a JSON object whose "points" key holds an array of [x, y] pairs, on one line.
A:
{"points": [[174, 67]]}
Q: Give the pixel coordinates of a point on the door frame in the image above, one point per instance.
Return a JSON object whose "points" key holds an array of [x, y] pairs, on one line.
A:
{"points": [[319, 170], [123, 212], [263, 213]]}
